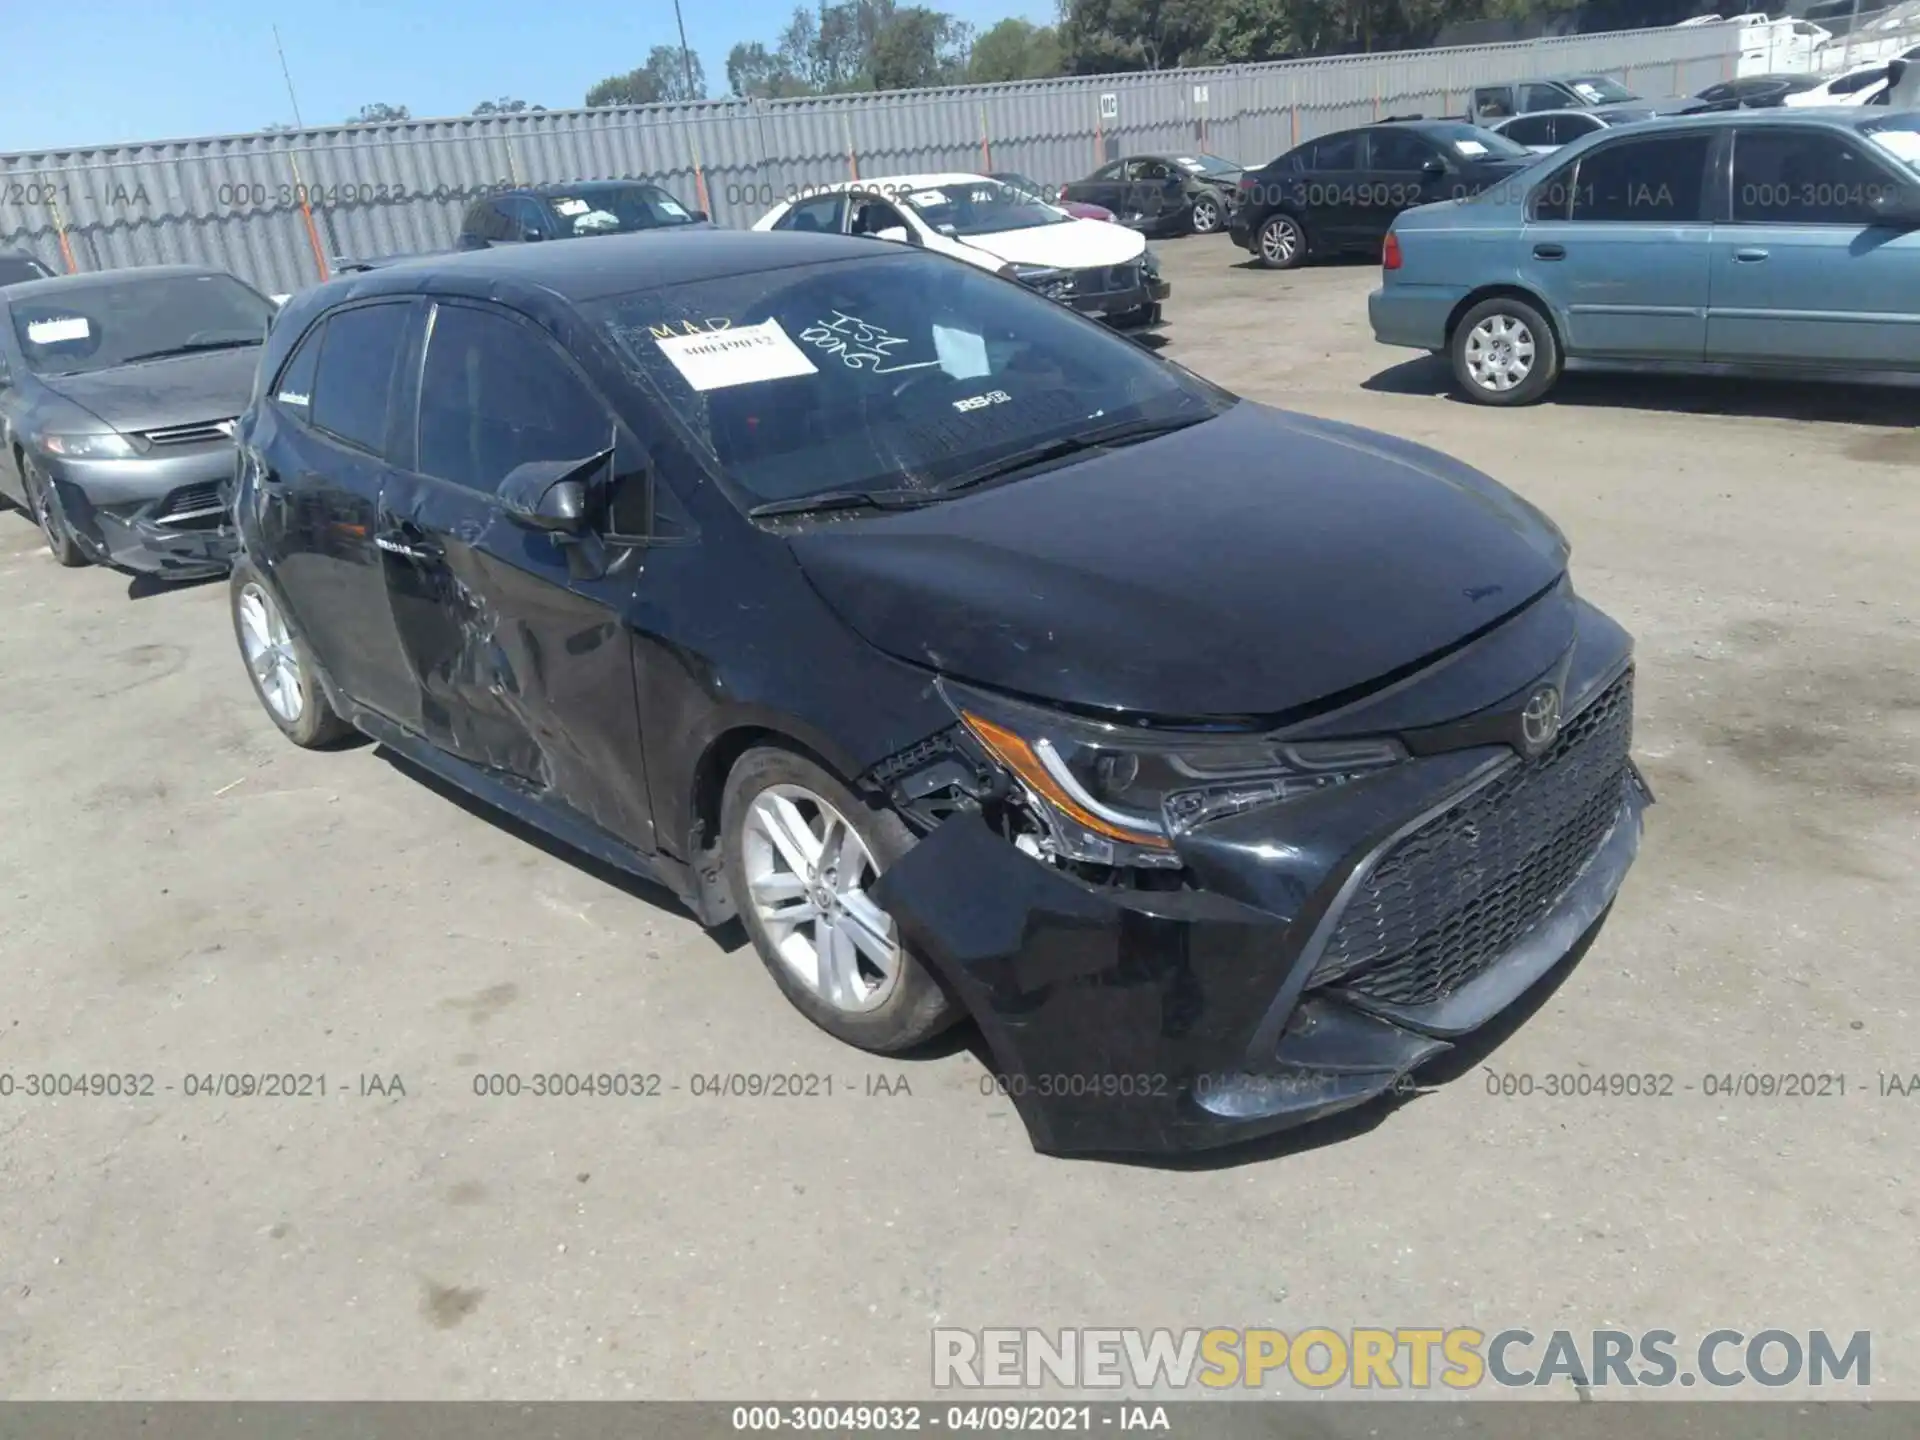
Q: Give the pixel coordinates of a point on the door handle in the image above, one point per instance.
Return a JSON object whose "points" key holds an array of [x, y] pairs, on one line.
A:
{"points": [[1749, 256], [1549, 252]]}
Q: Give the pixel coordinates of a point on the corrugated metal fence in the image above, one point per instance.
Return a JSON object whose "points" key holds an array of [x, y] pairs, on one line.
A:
{"points": [[273, 208]]}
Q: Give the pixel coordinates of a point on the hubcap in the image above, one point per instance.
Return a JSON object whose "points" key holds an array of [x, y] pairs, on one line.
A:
{"points": [[270, 654], [45, 511], [1279, 240], [1499, 352], [807, 875], [1204, 215]]}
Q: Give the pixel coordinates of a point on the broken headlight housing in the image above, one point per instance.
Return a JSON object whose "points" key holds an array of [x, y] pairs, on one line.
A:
{"points": [[1113, 795]]}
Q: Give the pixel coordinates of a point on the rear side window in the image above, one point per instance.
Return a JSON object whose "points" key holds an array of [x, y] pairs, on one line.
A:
{"points": [[295, 390], [1337, 152], [354, 381], [1541, 97], [1532, 130], [495, 394], [1494, 100], [1650, 181], [1802, 177]]}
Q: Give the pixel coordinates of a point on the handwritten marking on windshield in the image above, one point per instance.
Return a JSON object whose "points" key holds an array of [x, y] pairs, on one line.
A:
{"points": [[859, 344], [687, 327]]}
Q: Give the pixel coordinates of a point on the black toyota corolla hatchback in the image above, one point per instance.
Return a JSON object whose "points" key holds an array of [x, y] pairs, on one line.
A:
{"points": [[1222, 764]]}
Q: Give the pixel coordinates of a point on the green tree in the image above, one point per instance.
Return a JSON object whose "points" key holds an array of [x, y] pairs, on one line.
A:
{"points": [[377, 113], [1014, 49], [505, 105], [662, 79], [917, 47], [757, 73], [1104, 35]]}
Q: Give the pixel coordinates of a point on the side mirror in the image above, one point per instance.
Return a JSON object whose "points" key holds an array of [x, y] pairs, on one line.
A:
{"points": [[1434, 166], [1897, 206], [550, 495], [697, 216], [899, 234], [530, 235]]}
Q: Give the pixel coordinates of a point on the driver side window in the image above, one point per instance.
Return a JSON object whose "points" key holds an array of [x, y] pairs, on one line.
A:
{"points": [[873, 216]]}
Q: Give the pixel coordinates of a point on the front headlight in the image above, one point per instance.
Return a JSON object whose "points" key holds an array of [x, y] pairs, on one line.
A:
{"points": [[1150, 262], [1116, 796], [1049, 280], [90, 447]]}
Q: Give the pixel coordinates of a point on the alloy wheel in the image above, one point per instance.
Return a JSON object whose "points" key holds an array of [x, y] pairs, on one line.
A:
{"points": [[1206, 217], [1279, 240], [1499, 353], [271, 657], [46, 512], [807, 873]]}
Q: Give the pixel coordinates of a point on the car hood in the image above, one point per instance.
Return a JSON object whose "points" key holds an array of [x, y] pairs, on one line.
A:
{"points": [[1076, 245], [1251, 565], [213, 385]]}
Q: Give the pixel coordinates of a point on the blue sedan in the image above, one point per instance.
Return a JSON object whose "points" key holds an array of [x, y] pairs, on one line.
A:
{"points": [[1773, 238]]}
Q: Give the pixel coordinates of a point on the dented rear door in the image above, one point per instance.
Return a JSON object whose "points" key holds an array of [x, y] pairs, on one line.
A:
{"points": [[517, 648]]}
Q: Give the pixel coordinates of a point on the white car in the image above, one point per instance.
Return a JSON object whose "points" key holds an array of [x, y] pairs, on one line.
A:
{"points": [[1102, 270], [1544, 131], [1860, 85]]}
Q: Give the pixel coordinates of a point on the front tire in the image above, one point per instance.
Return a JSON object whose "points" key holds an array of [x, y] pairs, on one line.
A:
{"points": [[280, 665], [1208, 215], [800, 852], [1281, 242], [43, 500], [1504, 352]]}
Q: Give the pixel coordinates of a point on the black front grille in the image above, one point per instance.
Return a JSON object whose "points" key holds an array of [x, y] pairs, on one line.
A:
{"points": [[1458, 893], [201, 504]]}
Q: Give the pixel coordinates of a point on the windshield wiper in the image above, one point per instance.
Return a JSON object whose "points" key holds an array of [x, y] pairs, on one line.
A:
{"points": [[192, 349], [901, 499], [1105, 438]]}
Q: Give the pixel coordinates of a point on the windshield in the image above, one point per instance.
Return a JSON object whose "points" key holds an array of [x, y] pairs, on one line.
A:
{"points": [[1600, 90], [1208, 165], [1474, 143], [887, 372], [981, 207], [84, 328], [1025, 184], [616, 210]]}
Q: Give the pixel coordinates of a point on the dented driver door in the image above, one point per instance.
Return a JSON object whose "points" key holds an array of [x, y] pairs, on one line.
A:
{"points": [[513, 634]]}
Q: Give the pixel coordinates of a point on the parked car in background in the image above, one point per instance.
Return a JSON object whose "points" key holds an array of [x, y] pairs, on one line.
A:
{"points": [[17, 265], [1026, 186], [1768, 238], [1163, 194], [1858, 85], [118, 395], [568, 211], [1340, 192], [1754, 92], [1102, 270], [982, 664], [1547, 130], [1488, 103]]}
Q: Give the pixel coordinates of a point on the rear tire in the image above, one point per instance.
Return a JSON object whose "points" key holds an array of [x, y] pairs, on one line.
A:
{"points": [[1504, 352], [285, 678], [44, 502], [800, 850], [1281, 242]]}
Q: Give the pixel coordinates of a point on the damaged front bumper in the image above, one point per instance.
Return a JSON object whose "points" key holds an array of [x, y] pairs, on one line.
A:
{"points": [[175, 523], [1326, 950]]}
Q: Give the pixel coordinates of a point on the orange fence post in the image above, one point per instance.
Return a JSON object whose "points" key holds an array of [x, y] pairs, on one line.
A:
{"points": [[60, 229], [853, 161], [699, 174], [313, 231]]}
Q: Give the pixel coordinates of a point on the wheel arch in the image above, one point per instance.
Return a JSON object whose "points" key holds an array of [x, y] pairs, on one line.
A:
{"points": [[1508, 291]]}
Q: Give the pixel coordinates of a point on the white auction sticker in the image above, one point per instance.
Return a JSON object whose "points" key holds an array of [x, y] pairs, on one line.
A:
{"points": [[743, 355], [672, 207], [930, 198], [52, 332], [1901, 144], [1469, 147], [571, 207]]}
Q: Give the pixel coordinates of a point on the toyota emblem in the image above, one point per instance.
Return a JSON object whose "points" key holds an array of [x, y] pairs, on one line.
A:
{"points": [[1540, 721]]}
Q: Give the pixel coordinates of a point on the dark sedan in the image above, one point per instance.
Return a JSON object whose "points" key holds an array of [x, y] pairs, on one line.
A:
{"points": [[1163, 193], [760, 564], [1341, 191], [118, 393]]}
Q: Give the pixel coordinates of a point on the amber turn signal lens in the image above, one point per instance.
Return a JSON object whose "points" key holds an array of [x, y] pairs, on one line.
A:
{"points": [[1017, 755]]}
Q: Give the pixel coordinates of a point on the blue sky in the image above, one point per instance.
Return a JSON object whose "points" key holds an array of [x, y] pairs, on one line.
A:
{"points": [[94, 72]]}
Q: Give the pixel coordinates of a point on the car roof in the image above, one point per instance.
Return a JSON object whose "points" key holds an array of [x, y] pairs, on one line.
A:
{"points": [[54, 285], [578, 187], [894, 184], [606, 264]]}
